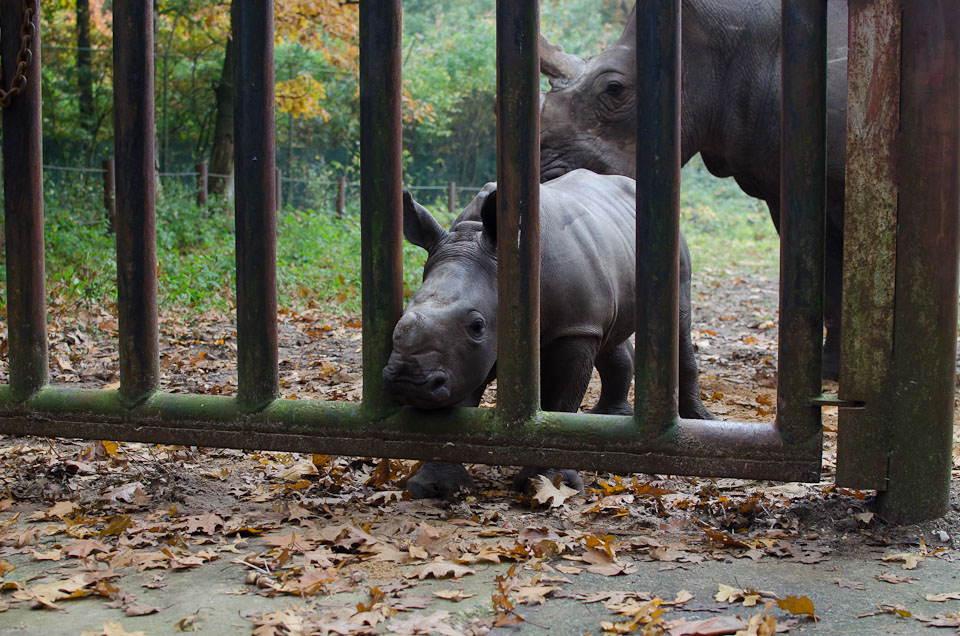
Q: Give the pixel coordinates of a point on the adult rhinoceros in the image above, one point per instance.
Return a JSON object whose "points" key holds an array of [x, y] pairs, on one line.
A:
{"points": [[730, 113]]}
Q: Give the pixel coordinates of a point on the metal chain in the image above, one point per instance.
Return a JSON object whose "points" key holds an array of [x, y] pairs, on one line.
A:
{"points": [[27, 32]]}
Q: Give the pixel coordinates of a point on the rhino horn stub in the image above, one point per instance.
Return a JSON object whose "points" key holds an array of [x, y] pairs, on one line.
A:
{"points": [[560, 67]]}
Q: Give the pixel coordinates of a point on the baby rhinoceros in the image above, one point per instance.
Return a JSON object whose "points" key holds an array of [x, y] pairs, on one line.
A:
{"points": [[445, 344]]}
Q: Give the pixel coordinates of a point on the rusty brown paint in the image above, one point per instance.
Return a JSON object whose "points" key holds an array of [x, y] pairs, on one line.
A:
{"points": [[658, 205], [23, 212], [203, 181], [870, 248], [803, 178], [134, 151], [925, 326], [749, 450], [518, 210], [381, 192], [110, 194], [256, 205]]}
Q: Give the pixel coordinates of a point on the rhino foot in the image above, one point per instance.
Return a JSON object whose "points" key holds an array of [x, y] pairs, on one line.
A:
{"points": [[570, 477], [439, 479]]}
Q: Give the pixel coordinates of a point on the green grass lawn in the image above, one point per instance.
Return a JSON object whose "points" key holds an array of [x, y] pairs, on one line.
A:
{"points": [[318, 256]]}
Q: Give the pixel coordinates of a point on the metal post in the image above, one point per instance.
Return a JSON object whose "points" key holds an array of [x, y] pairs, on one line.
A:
{"points": [[279, 179], [256, 205], [134, 125], [658, 217], [452, 198], [110, 194], [925, 327], [381, 192], [341, 196], [518, 210], [870, 241], [203, 180], [803, 178], [23, 211]]}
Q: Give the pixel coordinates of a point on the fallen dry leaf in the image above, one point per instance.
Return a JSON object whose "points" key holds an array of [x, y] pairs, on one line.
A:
{"points": [[442, 570], [546, 493]]}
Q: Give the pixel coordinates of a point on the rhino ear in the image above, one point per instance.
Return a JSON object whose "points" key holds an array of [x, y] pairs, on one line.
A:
{"points": [[561, 68], [419, 226], [488, 214]]}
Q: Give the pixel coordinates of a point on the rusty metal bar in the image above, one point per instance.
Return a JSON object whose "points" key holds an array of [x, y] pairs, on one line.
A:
{"points": [[381, 205], [658, 217], [870, 219], [134, 151], [803, 178], [279, 182], [203, 182], [23, 212], [925, 327], [518, 209], [256, 205], [597, 442]]}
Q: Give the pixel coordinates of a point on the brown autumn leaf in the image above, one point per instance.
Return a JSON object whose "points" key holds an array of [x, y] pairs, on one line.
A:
{"points": [[910, 560], [849, 585], [602, 563], [706, 627], [533, 594], [797, 605], [452, 595], [436, 623], [890, 577], [441, 570], [46, 594], [941, 598], [112, 629], [85, 547], [546, 493]]}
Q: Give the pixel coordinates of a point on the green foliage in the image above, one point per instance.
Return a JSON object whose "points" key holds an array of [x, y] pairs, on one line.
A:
{"points": [[723, 225]]}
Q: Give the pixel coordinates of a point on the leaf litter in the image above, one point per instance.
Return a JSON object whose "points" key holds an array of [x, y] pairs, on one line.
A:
{"points": [[82, 517]]}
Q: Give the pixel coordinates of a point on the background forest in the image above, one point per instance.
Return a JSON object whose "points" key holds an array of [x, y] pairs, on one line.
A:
{"points": [[449, 80], [448, 67]]}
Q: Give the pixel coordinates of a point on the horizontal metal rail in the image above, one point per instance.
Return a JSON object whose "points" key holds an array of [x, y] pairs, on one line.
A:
{"points": [[748, 450]]}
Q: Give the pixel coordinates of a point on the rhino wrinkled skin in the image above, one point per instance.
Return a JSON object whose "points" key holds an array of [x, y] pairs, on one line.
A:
{"points": [[730, 113], [444, 345]]}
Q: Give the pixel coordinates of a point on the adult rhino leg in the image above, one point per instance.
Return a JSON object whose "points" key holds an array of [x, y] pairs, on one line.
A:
{"points": [[443, 479], [565, 369], [689, 406], [833, 285], [616, 368]]}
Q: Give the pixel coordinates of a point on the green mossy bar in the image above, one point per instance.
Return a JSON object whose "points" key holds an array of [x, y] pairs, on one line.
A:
{"points": [[582, 441]]}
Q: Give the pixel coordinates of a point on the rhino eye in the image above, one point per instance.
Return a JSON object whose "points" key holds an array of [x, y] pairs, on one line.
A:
{"points": [[476, 327], [614, 89]]}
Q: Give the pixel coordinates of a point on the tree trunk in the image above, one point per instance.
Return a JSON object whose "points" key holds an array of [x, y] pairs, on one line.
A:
{"points": [[221, 151], [85, 70]]}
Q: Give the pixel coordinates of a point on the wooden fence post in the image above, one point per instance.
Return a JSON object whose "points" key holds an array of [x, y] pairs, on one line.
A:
{"points": [[109, 194], [341, 196], [202, 178], [452, 198], [279, 190]]}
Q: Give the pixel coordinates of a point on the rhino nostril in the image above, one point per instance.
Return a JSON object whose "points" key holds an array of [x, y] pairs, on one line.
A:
{"points": [[437, 383]]}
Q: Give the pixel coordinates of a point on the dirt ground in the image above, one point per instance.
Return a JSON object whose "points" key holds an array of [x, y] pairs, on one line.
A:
{"points": [[340, 548]]}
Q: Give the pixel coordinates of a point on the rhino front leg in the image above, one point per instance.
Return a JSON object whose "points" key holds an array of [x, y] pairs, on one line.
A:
{"points": [[616, 368], [565, 369], [443, 479], [690, 405]]}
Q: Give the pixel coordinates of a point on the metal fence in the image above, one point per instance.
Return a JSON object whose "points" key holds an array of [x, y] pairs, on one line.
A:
{"points": [[906, 417]]}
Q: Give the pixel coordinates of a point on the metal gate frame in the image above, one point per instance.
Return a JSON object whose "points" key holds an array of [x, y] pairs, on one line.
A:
{"points": [[656, 440]]}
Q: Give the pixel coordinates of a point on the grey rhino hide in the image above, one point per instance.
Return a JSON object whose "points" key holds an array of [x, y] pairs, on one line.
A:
{"points": [[444, 346], [730, 112]]}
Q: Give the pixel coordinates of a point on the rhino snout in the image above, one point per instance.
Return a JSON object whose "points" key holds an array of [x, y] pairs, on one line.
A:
{"points": [[409, 384]]}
